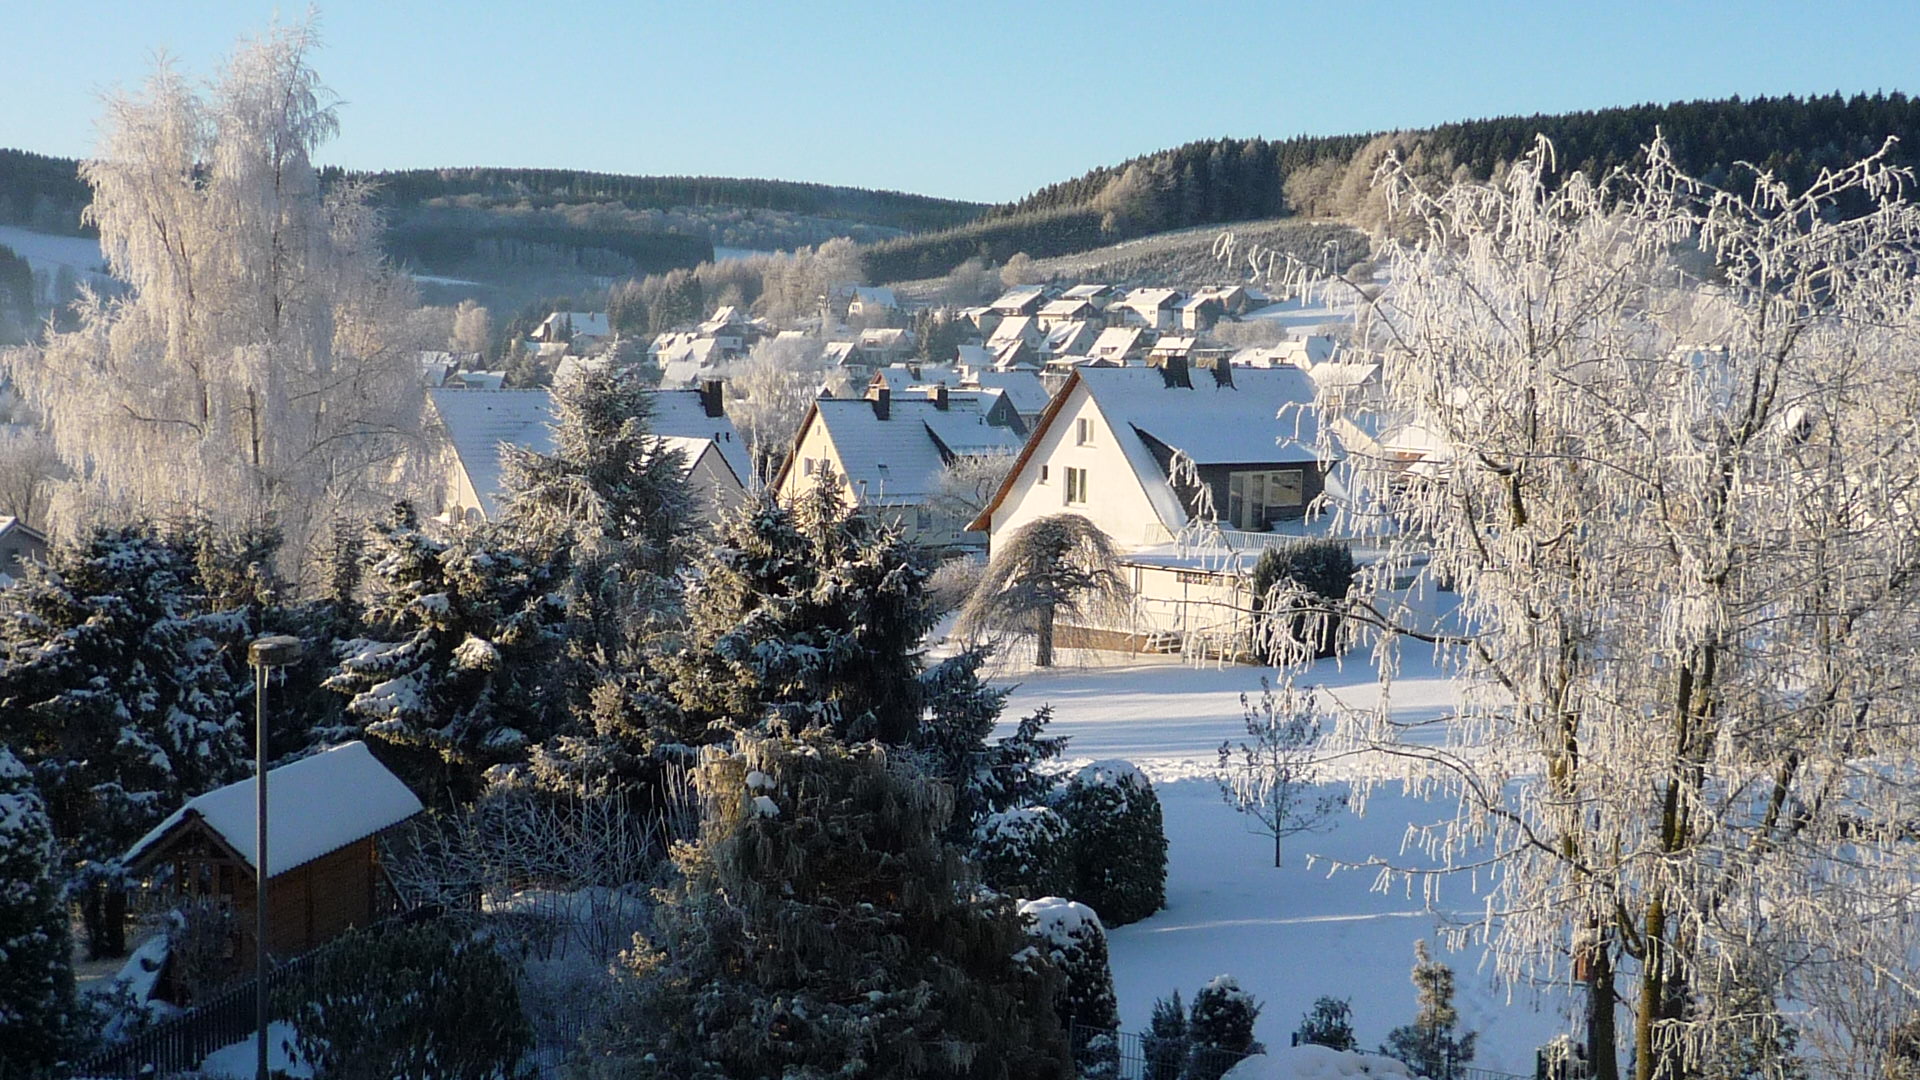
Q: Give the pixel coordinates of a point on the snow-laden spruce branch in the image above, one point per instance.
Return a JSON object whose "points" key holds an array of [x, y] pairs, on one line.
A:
{"points": [[1675, 492]]}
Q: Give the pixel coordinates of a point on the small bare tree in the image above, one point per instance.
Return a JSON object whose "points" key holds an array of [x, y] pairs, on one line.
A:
{"points": [[965, 487], [1053, 567], [1274, 776]]}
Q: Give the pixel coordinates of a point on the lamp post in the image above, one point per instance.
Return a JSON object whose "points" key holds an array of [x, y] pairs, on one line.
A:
{"points": [[265, 654]]}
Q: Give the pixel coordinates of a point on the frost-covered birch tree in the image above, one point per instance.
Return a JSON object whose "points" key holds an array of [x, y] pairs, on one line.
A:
{"points": [[1677, 498], [252, 371]]}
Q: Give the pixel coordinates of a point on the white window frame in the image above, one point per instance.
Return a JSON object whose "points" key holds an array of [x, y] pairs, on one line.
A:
{"points": [[1076, 487]]}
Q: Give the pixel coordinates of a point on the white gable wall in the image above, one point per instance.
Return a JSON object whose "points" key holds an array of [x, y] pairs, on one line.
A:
{"points": [[1117, 502]]}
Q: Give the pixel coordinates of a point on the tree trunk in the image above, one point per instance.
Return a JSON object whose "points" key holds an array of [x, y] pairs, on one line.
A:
{"points": [[1603, 1058], [116, 927], [1043, 640]]}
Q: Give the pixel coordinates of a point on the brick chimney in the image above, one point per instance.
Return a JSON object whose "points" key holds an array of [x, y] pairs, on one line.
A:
{"points": [[940, 399], [882, 403], [713, 397]]}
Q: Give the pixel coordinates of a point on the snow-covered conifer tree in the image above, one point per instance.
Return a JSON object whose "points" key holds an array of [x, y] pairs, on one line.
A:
{"points": [[1431, 1046], [1674, 491], [117, 691], [612, 501], [822, 928], [1220, 1029], [460, 651], [36, 963], [1074, 941], [250, 373]]}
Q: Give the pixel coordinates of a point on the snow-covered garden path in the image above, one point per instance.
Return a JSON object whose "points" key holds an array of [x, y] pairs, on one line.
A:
{"points": [[1293, 934]]}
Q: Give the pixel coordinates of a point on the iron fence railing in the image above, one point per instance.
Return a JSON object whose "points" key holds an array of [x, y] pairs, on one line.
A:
{"points": [[179, 1043]]}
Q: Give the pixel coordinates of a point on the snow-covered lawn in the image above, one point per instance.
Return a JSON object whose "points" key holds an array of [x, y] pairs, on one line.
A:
{"points": [[47, 253], [1289, 935]]}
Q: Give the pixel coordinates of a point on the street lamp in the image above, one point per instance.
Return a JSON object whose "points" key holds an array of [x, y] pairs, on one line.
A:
{"points": [[265, 654]]}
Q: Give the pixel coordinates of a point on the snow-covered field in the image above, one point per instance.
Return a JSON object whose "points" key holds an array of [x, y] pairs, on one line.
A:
{"points": [[47, 253], [1289, 935]]}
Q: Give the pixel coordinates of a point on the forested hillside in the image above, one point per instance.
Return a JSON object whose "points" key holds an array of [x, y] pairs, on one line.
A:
{"points": [[1220, 180]]}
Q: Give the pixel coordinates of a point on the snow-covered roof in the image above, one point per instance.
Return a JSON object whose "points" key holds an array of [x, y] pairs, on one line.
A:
{"points": [[1067, 307], [1265, 416], [1023, 388], [1345, 375], [682, 414], [1115, 342], [9, 524], [879, 296], [478, 421], [1145, 300], [1087, 292], [580, 323], [1071, 337], [1020, 297], [1013, 328], [899, 378], [315, 805], [897, 461]]}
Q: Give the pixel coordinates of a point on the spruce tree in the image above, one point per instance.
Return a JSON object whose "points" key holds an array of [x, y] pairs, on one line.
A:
{"points": [[1430, 1045], [988, 777], [36, 967], [117, 691], [821, 928], [612, 502], [458, 661], [1166, 1040], [1329, 1023]]}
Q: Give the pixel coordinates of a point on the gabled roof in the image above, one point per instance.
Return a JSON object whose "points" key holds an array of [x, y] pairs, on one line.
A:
{"points": [[897, 461], [1024, 389], [879, 296], [1067, 307], [1019, 297], [315, 805], [579, 323], [11, 524], [885, 337], [1087, 292], [1071, 337], [1115, 342], [1013, 328], [1265, 417], [478, 421], [1151, 299], [841, 353]]}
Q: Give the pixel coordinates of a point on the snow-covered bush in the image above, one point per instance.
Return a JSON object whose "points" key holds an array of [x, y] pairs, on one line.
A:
{"points": [[1329, 1023], [1220, 1029], [426, 1002], [1309, 1062], [1119, 841], [1025, 852], [952, 582], [1072, 938], [36, 965]]}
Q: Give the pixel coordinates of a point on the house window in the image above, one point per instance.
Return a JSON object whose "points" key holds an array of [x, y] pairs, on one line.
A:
{"points": [[1083, 432], [1255, 500], [923, 520], [1076, 486], [806, 466], [1043, 474]]}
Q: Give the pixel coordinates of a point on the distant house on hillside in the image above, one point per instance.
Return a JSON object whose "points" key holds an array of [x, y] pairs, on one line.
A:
{"points": [[871, 302], [471, 426], [324, 814], [1067, 310], [1024, 300], [580, 328], [1153, 309], [887, 453]]}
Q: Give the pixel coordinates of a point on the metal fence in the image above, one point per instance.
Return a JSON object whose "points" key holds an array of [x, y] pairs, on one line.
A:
{"points": [[1124, 1055], [179, 1043]]}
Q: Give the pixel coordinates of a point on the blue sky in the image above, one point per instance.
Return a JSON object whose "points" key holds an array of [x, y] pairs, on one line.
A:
{"points": [[980, 100]]}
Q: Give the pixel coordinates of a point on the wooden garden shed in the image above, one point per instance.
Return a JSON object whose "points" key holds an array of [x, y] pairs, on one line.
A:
{"points": [[324, 814]]}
